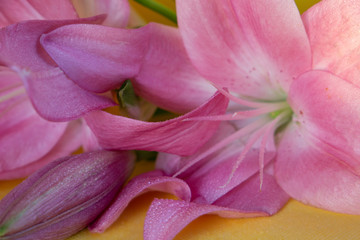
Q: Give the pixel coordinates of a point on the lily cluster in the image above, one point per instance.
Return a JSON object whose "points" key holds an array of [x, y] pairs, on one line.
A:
{"points": [[268, 102]]}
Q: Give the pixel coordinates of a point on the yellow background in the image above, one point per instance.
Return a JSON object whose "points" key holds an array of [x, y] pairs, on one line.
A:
{"points": [[294, 221]]}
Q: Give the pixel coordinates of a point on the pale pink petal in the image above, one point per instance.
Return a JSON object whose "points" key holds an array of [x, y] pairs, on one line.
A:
{"points": [[167, 78], [333, 30], [25, 137], [54, 95], [327, 109], [151, 181], [66, 144], [12, 11], [118, 11], [312, 175], [244, 46], [177, 136], [166, 217], [105, 56]]}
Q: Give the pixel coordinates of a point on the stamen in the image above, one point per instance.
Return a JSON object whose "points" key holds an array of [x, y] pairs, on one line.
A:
{"points": [[269, 131], [250, 142], [266, 131], [242, 114], [238, 134], [242, 101], [12, 94]]}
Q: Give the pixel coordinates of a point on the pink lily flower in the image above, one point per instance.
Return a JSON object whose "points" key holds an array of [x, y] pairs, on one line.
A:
{"points": [[24, 98], [297, 79], [292, 81]]}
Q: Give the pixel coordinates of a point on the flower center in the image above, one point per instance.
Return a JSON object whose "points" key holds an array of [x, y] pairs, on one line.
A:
{"points": [[259, 122]]}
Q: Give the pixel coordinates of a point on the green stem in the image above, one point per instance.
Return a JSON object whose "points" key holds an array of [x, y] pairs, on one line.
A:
{"points": [[159, 8]]}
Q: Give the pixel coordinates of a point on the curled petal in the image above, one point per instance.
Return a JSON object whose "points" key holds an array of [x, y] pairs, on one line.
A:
{"points": [[20, 51], [67, 102], [241, 45], [19, 10], [105, 56], [166, 218], [333, 29], [152, 55], [176, 136], [151, 181]]}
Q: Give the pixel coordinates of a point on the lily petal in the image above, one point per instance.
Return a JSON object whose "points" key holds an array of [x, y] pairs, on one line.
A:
{"points": [[21, 124], [333, 29], [17, 10], [105, 56], [21, 52], [69, 142], [166, 218], [118, 11], [176, 136], [150, 181], [318, 156], [167, 78], [241, 45], [327, 107], [151, 55], [313, 176]]}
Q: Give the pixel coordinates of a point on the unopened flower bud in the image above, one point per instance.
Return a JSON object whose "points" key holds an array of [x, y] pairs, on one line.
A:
{"points": [[65, 196]]}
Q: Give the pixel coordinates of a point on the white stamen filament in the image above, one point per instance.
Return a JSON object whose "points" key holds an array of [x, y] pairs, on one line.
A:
{"points": [[11, 94], [245, 131], [241, 114]]}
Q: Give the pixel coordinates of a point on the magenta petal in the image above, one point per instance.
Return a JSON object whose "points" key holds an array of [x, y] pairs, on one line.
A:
{"points": [[332, 27], [308, 173], [211, 181], [248, 197], [166, 217], [151, 181], [21, 52], [67, 102], [242, 44], [105, 56], [167, 77], [176, 136], [17, 10]]}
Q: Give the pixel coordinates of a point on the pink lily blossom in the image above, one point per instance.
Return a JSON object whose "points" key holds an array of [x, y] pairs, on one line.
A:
{"points": [[28, 141], [293, 87]]}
